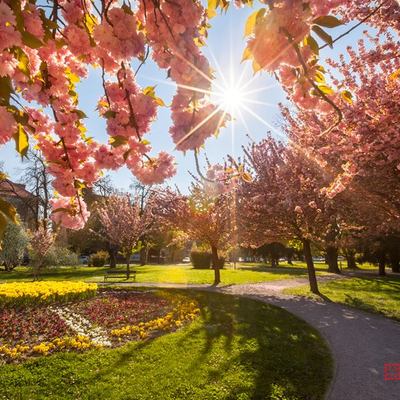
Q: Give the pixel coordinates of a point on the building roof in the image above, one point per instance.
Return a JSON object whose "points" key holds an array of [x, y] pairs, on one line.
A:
{"points": [[12, 189]]}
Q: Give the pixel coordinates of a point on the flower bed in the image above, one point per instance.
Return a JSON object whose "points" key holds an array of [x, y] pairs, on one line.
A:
{"points": [[34, 293], [30, 325], [183, 311], [119, 308], [110, 319]]}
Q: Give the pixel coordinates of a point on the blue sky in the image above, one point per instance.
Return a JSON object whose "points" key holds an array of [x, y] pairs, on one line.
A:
{"points": [[224, 50]]}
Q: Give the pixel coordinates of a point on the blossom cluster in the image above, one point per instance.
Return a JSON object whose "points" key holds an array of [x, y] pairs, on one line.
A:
{"points": [[44, 292], [46, 51]]}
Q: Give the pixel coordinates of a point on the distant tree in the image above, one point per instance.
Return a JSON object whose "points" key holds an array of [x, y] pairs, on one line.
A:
{"points": [[123, 222], [273, 251], [15, 241], [38, 181], [40, 243], [204, 218]]}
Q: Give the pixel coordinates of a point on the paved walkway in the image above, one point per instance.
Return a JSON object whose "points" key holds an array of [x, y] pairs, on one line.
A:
{"points": [[361, 343]]}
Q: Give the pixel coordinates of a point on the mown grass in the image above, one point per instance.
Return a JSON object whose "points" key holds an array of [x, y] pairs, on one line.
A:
{"points": [[375, 294], [184, 274], [237, 349]]}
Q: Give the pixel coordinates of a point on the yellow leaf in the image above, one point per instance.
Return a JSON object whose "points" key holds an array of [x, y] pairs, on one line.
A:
{"points": [[73, 78], [312, 44], [347, 96], [150, 91], [8, 210], [90, 22], [247, 54], [394, 75], [211, 7], [319, 77], [256, 66], [325, 89], [252, 21], [247, 177], [21, 140], [328, 21]]}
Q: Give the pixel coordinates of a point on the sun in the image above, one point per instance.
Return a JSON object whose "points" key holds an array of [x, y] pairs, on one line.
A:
{"points": [[231, 99]]}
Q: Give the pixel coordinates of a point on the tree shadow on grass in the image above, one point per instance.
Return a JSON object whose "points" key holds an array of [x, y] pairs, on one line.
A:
{"points": [[283, 354]]}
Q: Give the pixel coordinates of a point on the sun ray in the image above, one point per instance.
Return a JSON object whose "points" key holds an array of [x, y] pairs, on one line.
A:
{"points": [[262, 103], [261, 89], [201, 73], [199, 125]]}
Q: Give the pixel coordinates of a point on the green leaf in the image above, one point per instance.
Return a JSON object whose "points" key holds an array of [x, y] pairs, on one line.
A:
{"points": [[127, 9], [109, 114], [62, 209], [8, 210], [117, 141], [312, 44], [347, 96], [252, 21], [30, 40], [5, 90], [323, 35], [328, 21], [21, 140], [79, 185], [80, 113], [126, 154]]}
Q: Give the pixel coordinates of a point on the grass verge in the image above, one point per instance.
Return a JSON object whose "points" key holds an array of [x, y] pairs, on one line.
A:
{"points": [[168, 274], [375, 294]]}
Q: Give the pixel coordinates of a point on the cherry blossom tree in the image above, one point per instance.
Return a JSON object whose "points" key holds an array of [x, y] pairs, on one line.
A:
{"points": [[124, 222], [46, 50], [40, 243], [202, 217]]}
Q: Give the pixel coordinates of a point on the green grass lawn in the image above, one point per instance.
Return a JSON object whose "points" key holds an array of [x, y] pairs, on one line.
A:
{"points": [[170, 273], [379, 295], [237, 349]]}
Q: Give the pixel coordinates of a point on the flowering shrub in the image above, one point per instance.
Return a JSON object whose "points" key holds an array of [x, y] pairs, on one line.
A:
{"points": [[28, 293]]}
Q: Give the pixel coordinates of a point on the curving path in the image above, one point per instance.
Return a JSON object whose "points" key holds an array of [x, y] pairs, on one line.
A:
{"points": [[361, 343]]}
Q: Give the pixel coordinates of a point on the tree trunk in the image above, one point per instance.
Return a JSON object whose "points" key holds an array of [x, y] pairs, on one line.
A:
{"points": [[310, 266], [128, 271], [332, 259], [351, 260], [382, 264], [395, 264], [215, 265], [113, 256]]}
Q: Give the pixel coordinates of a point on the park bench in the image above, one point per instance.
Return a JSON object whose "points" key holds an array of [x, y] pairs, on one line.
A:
{"points": [[119, 274]]}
